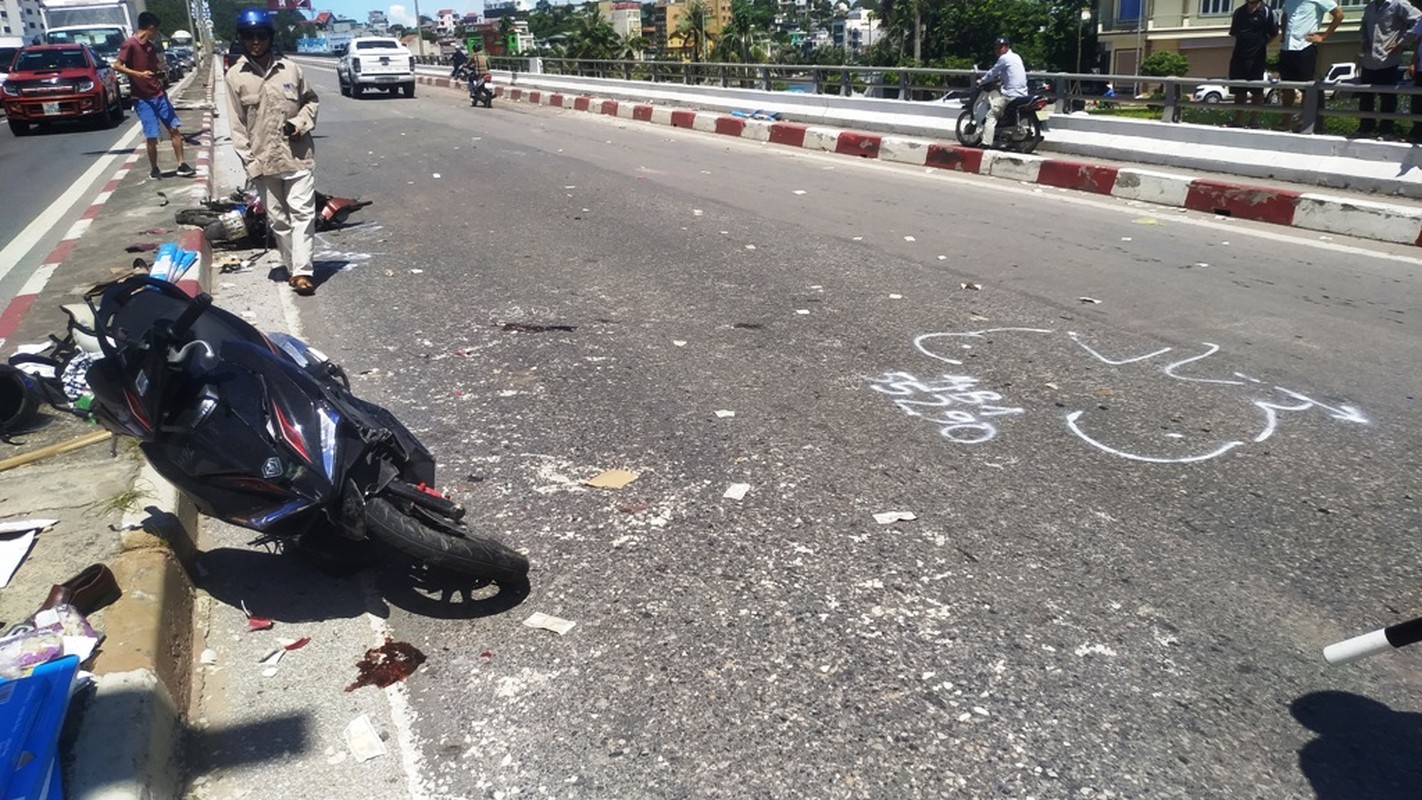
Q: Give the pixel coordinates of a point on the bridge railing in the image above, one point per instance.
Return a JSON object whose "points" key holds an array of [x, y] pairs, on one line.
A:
{"points": [[1169, 100]]}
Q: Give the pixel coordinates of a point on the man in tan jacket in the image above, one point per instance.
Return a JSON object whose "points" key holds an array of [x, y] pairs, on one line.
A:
{"points": [[273, 112]]}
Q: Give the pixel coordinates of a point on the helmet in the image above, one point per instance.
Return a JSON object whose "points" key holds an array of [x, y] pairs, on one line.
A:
{"points": [[255, 19], [1001, 41]]}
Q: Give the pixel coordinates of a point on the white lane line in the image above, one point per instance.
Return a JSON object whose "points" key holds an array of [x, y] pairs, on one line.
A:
{"points": [[26, 240]]}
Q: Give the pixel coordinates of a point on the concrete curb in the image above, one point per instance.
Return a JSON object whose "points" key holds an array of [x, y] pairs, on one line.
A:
{"points": [[1387, 222]]}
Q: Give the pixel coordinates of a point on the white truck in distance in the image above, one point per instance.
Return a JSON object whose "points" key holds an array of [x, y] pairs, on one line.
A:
{"points": [[376, 62], [101, 25]]}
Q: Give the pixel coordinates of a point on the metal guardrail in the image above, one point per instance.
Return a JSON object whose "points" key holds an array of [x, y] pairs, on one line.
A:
{"points": [[1167, 99]]}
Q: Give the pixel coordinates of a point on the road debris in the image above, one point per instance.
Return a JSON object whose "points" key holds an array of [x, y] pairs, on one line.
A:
{"points": [[736, 491], [890, 517], [611, 479], [387, 664], [548, 622], [363, 740], [1091, 300], [724, 414], [526, 327], [972, 287], [255, 623]]}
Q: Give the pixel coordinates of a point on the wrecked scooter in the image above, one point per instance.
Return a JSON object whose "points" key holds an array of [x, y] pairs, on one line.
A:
{"points": [[242, 216], [263, 431]]}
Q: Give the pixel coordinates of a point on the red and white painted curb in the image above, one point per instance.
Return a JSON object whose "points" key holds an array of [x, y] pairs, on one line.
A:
{"points": [[192, 240], [1388, 222]]}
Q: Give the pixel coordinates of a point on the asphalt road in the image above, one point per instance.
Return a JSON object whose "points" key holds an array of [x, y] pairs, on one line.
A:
{"points": [[1138, 520]]}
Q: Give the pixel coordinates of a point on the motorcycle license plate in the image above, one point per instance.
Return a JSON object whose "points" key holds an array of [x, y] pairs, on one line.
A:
{"points": [[49, 109]]}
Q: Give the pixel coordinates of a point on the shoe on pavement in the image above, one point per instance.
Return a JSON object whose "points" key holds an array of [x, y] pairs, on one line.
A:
{"points": [[155, 173], [185, 171]]}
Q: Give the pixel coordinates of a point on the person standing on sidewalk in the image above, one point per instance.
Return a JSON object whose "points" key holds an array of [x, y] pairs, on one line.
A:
{"points": [[1386, 24], [139, 59], [273, 112], [1298, 54], [1253, 27]]}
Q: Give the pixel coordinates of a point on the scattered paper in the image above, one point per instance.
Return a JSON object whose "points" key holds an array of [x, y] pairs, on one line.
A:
{"points": [[723, 414], [889, 517], [13, 550], [81, 646], [548, 622], [1088, 300], [436, 175], [1146, 221], [679, 342], [1051, 385], [363, 740], [1125, 238], [799, 191], [975, 287], [858, 239], [737, 491], [750, 247], [802, 311], [611, 479], [910, 239], [209, 657], [696, 212], [896, 297], [943, 258]]}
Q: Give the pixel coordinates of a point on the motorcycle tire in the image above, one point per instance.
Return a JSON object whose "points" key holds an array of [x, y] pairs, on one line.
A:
{"points": [[969, 134], [1033, 139], [463, 552]]}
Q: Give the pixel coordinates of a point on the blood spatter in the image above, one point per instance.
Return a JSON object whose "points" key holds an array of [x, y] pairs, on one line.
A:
{"points": [[389, 663]]}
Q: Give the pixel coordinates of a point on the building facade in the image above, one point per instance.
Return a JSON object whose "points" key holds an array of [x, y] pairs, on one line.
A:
{"points": [[1131, 30]]}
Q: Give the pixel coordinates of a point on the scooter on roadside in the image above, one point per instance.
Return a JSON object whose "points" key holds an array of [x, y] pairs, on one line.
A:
{"points": [[243, 216], [1019, 129], [479, 91], [263, 431]]}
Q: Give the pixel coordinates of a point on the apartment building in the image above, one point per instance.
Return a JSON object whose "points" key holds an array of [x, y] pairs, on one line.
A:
{"points": [[668, 17]]}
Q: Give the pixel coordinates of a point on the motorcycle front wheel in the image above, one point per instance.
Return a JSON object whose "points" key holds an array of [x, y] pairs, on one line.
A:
{"points": [[969, 134], [455, 548]]}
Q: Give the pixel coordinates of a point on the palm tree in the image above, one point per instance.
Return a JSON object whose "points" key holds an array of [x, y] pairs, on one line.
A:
{"points": [[741, 40], [592, 37], [631, 47], [693, 30], [506, 30]]}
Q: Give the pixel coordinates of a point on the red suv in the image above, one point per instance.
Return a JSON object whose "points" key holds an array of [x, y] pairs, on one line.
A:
{"points": [[57, 82]]}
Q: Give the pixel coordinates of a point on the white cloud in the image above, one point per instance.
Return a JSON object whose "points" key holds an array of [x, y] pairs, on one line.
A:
{"points": [[401, 15]]}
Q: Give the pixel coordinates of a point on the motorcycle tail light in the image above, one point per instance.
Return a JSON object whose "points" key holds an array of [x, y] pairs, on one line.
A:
{"points": [[291, 433], [1041, 104]]}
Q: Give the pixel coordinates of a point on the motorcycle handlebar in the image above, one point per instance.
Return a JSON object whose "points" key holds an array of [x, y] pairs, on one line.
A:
{"points": [[1374, 642], [191, 314]]}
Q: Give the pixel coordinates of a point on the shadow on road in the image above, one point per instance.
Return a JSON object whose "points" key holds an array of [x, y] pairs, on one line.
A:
{"points": [[1363, 749], [293, 588]]}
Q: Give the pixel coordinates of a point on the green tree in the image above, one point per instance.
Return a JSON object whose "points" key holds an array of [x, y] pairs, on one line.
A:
{"points": [[631, 47], [741, 41], [592, 37], [1164, 64], [692, 30]]}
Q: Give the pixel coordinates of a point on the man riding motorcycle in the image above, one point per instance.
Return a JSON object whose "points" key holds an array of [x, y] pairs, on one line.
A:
{"points": [[478, 66], [1010, 77]]}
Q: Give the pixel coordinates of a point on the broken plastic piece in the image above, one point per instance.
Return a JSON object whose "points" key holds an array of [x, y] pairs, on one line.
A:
{"points": [[737, 491], [611, 479], [976, 287], [889, 517], [548, 622], [1088, 300], [723, 414]]}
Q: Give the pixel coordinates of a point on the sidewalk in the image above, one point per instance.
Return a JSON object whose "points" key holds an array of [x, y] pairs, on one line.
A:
{"points": [[124, 739], [1361, 214]]}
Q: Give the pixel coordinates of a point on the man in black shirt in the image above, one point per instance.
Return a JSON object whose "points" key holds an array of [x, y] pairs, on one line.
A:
{"points": [[1252, 27]]}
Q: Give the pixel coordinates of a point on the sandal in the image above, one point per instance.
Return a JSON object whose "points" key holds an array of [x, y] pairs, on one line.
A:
{"points": [[302, 285]]}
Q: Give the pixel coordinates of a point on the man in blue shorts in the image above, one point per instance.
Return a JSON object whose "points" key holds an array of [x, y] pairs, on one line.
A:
{"points": [[140, 60]]}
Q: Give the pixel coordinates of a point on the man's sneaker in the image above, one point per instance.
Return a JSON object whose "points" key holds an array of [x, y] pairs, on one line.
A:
{"points": [[155, 173], [185, 171]]}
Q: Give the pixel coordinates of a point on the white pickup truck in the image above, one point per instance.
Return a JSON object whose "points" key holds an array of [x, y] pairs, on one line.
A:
{"points": [[376, 62]]}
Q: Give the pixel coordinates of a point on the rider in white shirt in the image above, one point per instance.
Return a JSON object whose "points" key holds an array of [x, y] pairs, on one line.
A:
{"points": [[1011, 78]]}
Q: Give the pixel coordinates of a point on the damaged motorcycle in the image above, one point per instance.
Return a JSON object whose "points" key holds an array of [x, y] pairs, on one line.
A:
{"points": [[242, 216], [263, 431]]}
